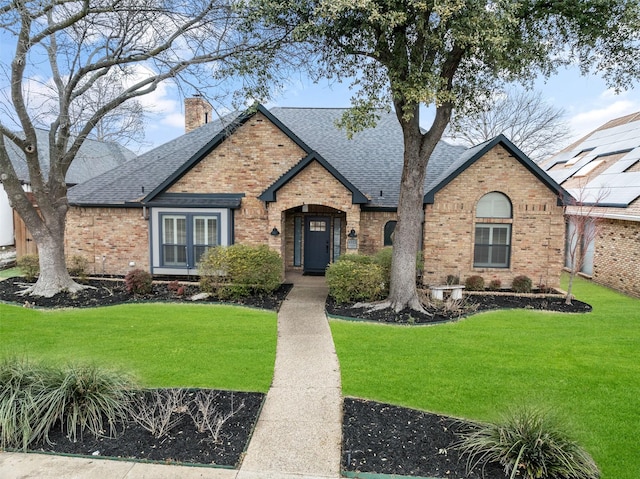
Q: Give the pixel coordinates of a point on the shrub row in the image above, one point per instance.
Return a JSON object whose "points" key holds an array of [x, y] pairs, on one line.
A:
{"points": [[520, 284]]}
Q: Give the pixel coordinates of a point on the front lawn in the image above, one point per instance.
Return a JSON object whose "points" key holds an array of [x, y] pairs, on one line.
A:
{"points": [[212, 346], [586, 367]]}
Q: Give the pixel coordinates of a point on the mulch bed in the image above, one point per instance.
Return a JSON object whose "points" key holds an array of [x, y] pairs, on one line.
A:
{"points": [[377, 438], [182, 444], [388, 439], [106, 292], [452, 311]]}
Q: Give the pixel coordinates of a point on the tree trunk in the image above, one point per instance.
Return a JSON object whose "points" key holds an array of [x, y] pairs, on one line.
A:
{"points": [[54, 276], [418, 147], [403, 293], [572, 275]]}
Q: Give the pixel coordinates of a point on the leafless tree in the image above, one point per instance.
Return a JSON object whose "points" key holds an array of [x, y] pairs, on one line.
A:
{"points": [[582, 220], [535, 125], [70, 47], [123, 125]]}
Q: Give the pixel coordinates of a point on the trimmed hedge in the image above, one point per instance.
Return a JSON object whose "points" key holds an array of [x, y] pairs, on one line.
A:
{"points": [[236, 271], [474, 283], [522, 284], [352, 280]]}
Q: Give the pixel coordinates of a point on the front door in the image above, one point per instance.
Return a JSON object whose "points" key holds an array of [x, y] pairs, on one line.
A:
{"points": [[317, 233]]}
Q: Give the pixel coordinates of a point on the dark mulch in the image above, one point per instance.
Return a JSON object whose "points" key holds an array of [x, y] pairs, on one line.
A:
{"points": [[387, 439], [451, 311], [104, 292], [377, 437], [182, 444]]}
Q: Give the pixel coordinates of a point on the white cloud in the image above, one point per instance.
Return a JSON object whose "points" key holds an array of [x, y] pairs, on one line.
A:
{"points": [[175, 120]]}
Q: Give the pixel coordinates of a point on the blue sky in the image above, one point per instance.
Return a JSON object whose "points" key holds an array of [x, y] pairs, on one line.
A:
{"points": [[587, 102]]}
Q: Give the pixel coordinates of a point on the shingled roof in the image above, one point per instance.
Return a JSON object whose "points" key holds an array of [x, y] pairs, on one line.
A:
{"points": [[369, 164], [94, 158]]}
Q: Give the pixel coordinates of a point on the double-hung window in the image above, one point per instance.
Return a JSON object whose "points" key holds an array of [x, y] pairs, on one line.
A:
{"points": [[186, 237], [492, 247], [174, 240]]}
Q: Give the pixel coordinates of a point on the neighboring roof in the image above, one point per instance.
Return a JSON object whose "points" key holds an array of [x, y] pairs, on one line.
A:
{"points": [[94, 158], [617, 185], [136, 179], [369, 164]]}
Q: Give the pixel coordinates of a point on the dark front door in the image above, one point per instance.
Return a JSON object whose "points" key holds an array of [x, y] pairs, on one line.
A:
{"points": [[317, 233]]}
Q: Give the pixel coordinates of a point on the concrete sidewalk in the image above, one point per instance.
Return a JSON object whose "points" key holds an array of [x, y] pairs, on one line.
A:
{"points": [[300, 428], [299, 432]]}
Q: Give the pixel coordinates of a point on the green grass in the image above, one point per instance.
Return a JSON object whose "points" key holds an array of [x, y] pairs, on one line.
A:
{"points": [[162, 345], [585, 367], [10, 273]]}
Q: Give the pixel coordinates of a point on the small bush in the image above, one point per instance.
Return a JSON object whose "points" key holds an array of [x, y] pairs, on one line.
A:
{"points": [[452, 279], [531, 444], [77, 266], [173, 286], [237, 271], [474, 283], [29, 264], [494, 285], [138, 281], [521, 284], [34, 398], [351, 281]]}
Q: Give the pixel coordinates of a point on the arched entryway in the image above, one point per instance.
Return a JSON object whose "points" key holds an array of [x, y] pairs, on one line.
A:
{"points": [[315, 235]]}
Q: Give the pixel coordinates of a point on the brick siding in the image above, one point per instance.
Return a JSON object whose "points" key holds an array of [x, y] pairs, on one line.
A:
{"points": [[109, 238], [537, 237], [617, 256]]}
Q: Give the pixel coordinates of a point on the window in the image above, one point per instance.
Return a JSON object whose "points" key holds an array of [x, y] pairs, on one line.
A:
{"points": [[337, 234], [185, 238], [389, 228], [297, 241], [174, 240], [492, 247], [317, 226]]}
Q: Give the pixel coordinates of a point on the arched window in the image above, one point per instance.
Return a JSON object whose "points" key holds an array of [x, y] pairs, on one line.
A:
{"points": [[389, 228], [492, 247]]}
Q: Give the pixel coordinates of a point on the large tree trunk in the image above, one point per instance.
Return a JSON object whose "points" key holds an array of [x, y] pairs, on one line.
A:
{"points": [[49, 236], [402, 292], [418, 148]]}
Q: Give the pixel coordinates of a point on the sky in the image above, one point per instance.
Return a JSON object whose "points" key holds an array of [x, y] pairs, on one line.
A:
{"points": [[587, 103]]}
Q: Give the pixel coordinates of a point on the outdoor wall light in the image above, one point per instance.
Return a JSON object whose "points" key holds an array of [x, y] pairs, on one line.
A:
{"points": [[352, 234], [275, 232]]}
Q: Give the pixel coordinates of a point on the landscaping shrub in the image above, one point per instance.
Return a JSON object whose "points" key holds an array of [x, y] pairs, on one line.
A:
{"points": [[494, 285], [530, 444], [474, 283], [83, 398], [138, 281], [452, 279], [351, 281], [77, 266], [238, 270], [34, 398], [29, 264], [521, 284]]}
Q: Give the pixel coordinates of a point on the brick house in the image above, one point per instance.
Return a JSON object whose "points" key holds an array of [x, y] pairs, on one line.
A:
{"points": [[602, 170], [289, 178]]}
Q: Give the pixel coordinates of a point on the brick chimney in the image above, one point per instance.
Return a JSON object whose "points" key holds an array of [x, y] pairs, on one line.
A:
{"points": [[197, 112]]}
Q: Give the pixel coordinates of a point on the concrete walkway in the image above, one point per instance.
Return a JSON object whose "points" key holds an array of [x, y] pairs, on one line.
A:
{"points": [[299, 432]]}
